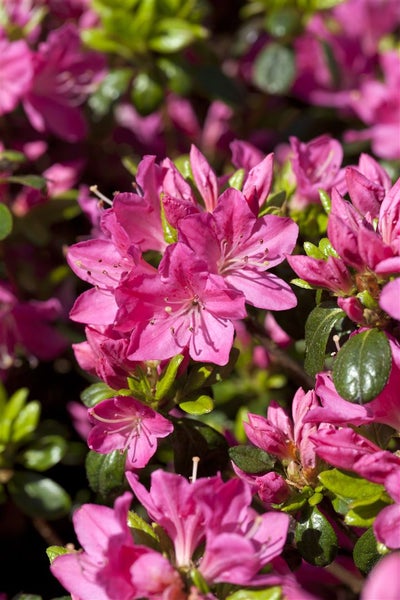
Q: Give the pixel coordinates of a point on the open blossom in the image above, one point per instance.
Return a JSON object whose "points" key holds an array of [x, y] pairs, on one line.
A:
{"points": [[16, 73], [110, 565], [63, 77], [241, 248], [287, 438], [180, 306], [238, 542], [124, 423], [384, 576], [316, 165]]}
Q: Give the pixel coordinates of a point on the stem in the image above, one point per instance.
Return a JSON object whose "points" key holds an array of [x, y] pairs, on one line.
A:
{"points": [[352, 581], [47, 532]]}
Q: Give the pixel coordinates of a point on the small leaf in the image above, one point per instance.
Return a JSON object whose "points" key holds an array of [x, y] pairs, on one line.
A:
{"points": [[44, 453], [302, 283], [54, 551], [315, 538], [26, 421], [362, 366], [172, 35], [168, 377], [274, 69], [349, 485], [6, 221], [251, 459], [106, 474], [95, 393], [136, 522], [39, 496], [365, 552], [319, 325], [272, 593], [33, 181], [147, 94], [201, 406]]}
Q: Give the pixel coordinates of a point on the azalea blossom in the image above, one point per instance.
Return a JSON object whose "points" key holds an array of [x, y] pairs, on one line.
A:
{"points": [[384, 576], [126, 424], [16, 73], [238, 541], [111, 566], [240, 247]]}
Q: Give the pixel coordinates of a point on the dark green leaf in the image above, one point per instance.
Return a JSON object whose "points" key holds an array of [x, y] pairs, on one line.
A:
{"points": [[39, 496], [319, 325], [315, 538], [106, 474], [362, 366], [95, 393], [33, 181], [6, 221], [365, 552], [251, 459], [274, 69], [147, 94]]}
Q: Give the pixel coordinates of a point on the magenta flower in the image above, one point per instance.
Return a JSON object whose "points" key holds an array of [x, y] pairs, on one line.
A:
{"points": [[389, 298], [123, 423], [240, 247], [110, 566], [238, 541], [383, 409], [384, 576], [64, 76], [16, 73], [387, 523], [316, 165], [289, 439], [183, 306]]}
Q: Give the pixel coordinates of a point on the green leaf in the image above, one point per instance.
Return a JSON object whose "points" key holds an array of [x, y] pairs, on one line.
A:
{"points": [[26, 421], [362, 366], [349, 485], [39, 496], [54, 551], [136, 522], [325, 201], [272, 593], [33, 181], [168, 377], [110, 89], [201, 406], [315, 538], [10, 411], [95, 393], [251, 459], [365, 552], [302, 283], [106, 474], [147, 94], [283, 22], [172, 35], [43, 453], [236, 180], [6, 221], [319, 325], [312, 250], [363, 515], [274, 69]]}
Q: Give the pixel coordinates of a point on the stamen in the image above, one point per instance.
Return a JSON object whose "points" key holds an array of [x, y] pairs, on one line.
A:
{"points": [[195, 460], [94, 190]]}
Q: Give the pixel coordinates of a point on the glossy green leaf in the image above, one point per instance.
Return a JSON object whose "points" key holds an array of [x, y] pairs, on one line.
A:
{"points": [[319, 325], [349, 485], [26, 421], [147, 94], [44, 453], [365, 552], [109, 91], [251, 459], [39, 496], [315, 538], [6, 221], [272, 593], [33, 181], [363, 515], [10, 412], [173, 34], [95, 393], [362, 366], [302, 283], [106, 474], [168, 377], [136, 522], [201, 406], [274, 69]]}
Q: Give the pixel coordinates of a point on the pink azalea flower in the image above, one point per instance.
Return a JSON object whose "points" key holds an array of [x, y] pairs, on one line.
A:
{"points": [[238, 541], [64, 76], [124, 423], [316, 165], [387, 523], [111, 566], [383, 409], [389, 299], [182, 306], [287, 438], [241, 247], [384, 576], [16, 73], [27, 327]]}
